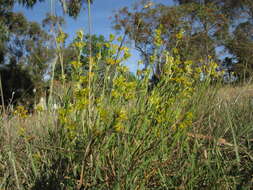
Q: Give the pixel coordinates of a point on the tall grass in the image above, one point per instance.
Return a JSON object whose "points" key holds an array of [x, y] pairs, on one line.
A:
{"points": [[215, 152]]}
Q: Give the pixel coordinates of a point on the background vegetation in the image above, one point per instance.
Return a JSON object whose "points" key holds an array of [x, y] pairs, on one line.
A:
{"points": [[183, 121]]}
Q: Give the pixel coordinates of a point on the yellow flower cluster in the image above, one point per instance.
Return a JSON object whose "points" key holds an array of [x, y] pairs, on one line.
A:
{"points": [[180, 35], [21, 112], [121, 117], [123, 89], [104, 114], [76, 64], [158, 39], [79, 44], [60, 39], [66, 117]]}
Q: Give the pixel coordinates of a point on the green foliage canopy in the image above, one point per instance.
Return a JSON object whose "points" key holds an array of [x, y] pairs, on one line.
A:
{"points": [[206, 25]]}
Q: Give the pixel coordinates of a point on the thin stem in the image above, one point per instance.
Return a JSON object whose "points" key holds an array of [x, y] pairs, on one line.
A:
{"points": [[90, 63], [2, 95], [11, 158], [90, 94], [50, 99]]}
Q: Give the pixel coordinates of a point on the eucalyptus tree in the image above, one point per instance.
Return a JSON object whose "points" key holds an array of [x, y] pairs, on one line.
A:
{"points": [[207, 26], [238, 39], [71, 7], [24, 50], [192, 30]]}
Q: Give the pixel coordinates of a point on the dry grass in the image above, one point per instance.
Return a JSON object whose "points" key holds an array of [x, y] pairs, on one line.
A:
{"points": [[234, 93], [215, 153]]}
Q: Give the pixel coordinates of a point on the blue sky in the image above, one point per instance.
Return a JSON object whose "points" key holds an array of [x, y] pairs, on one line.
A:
{"points": [[102, 10]]}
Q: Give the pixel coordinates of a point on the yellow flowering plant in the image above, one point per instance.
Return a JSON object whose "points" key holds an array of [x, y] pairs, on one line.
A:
{"points": [[178, 83], [21, 112], [86, 101]]}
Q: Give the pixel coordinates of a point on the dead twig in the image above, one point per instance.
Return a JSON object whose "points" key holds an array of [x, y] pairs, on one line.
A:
{"points": [[220, 141]]}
